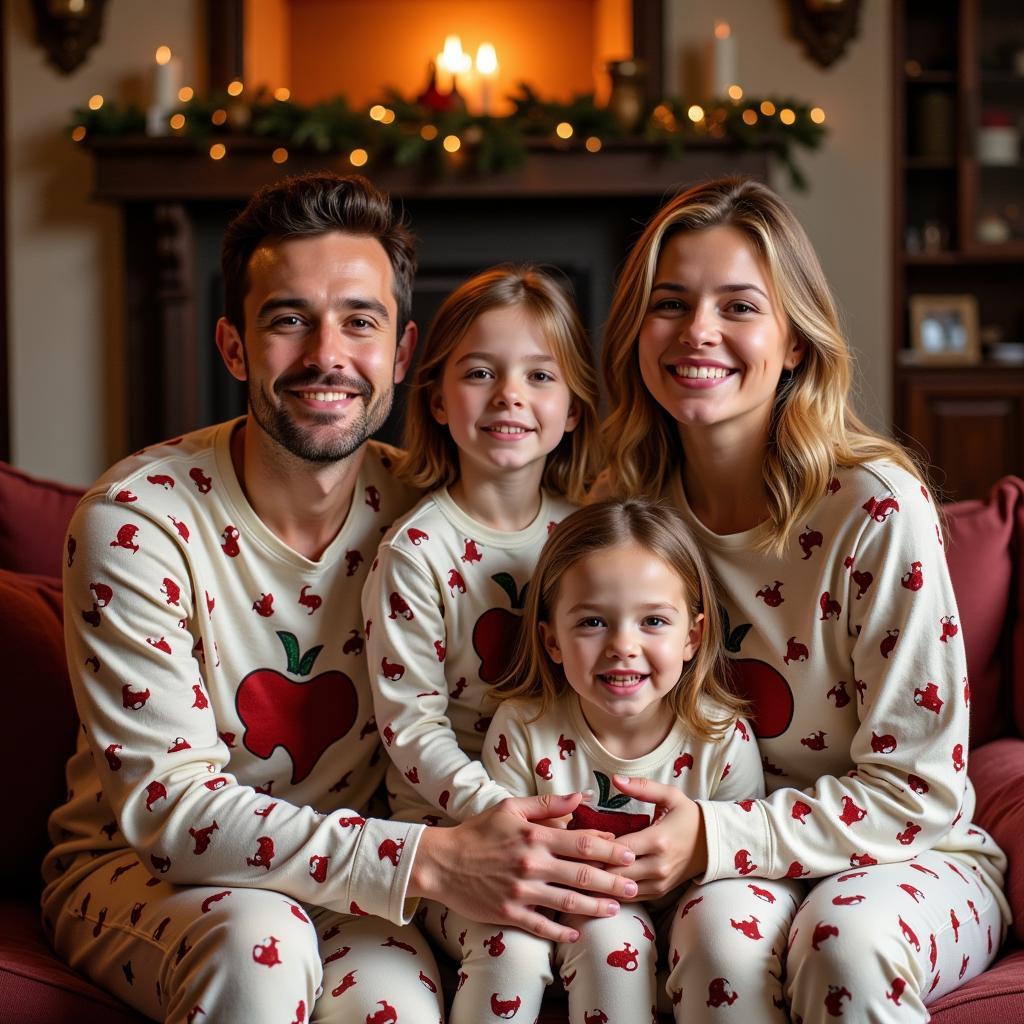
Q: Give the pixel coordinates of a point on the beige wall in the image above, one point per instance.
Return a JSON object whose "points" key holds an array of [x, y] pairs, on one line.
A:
{"points": [[847, 210], [64, 251], [65, 316]]}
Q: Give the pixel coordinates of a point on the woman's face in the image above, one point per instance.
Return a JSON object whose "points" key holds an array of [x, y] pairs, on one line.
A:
{"points": [[714, 340]]}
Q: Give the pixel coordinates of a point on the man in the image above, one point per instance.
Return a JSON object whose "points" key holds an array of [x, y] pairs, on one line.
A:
{"points": [[215, 859]]}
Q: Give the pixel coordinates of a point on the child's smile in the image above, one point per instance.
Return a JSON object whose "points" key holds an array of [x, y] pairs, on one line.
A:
{"points": [[622, 631]]}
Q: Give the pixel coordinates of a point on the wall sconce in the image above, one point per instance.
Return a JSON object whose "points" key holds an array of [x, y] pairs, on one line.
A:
{"points": [[68, 29], [824, 26]]}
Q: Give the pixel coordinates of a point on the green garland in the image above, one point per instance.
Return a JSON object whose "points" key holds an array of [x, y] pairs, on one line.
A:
{"points": [[414, 135]]}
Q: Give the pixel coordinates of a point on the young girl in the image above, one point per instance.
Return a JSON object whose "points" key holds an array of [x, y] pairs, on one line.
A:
{"points": [[500, 428], [619, 673]]}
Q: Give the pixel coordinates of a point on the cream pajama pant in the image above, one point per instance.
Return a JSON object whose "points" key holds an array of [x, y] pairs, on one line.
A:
{"points": [[877, 943], [253, 956]]}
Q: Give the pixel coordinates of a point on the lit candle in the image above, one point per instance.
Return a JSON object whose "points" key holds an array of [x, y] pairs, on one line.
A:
{"points": [[487, 68], [723, 60], [450, 63], [167, 75]]}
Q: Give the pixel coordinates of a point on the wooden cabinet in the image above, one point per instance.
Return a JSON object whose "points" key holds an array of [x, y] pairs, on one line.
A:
{"points": [[958, 190]]}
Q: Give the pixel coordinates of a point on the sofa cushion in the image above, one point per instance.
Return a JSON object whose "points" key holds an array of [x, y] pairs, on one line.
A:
{"points": [[997, 771], [35, 986], [983, 553], [34, 516], [39, 720], [996, 995]]}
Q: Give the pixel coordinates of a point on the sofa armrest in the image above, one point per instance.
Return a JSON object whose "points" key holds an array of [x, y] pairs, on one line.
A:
{"points": [[34, 516], [997, 771]]}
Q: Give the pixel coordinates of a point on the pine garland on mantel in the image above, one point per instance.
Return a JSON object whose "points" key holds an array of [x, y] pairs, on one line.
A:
{"points": [[403, 133]]}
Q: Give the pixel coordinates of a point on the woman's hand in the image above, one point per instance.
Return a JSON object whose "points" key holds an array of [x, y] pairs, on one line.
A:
{"points": [[673, 848], [503, 864]]}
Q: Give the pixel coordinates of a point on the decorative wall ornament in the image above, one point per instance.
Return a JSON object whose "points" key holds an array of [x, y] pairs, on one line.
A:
{"points": [[68, 29], [824, 27]]}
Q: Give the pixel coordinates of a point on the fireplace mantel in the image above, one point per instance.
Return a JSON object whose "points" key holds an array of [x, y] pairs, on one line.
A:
{"points": [[574, 209]]}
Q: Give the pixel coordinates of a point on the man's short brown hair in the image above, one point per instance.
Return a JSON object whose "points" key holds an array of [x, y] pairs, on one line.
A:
{"points": [[314, 204]]}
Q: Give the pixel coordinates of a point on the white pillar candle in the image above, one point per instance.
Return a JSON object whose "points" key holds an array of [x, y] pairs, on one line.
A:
{"points": [[166, 81], [723, 60]]}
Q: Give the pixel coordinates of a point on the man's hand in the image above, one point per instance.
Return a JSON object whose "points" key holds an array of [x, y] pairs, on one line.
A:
{"points": [[502, 865], [671, 850]]}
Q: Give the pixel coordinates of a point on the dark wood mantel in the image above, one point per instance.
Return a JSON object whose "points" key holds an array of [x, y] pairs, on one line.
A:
{"points": [[573, 209]]}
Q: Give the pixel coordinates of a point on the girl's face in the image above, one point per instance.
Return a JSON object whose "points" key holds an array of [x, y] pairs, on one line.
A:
{"points": [[622, 631], [503, 395], [714, 340]]}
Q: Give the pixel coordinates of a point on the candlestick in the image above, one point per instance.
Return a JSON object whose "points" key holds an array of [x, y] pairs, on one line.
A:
{"points": [[723, 60], [166, 81]]}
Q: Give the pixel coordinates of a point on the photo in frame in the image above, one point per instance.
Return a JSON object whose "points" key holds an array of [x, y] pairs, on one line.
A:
{"points": [[944, 329]]}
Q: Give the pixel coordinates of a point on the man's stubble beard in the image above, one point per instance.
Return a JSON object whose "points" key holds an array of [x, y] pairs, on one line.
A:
{"points": [[275, 421]]}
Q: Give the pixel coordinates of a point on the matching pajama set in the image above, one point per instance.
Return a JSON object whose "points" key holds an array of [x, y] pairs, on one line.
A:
{"points": [[609, 974], [849, 647], [216, 858]]}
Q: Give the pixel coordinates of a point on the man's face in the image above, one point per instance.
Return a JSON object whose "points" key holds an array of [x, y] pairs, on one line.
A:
{"points": [[319, 354]]}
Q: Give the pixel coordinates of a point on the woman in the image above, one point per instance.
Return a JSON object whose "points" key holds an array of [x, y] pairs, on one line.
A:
{"points": [[858, 886]]}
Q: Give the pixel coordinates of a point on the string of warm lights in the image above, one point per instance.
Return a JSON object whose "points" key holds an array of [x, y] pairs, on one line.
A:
{"points": [[401, 132]]}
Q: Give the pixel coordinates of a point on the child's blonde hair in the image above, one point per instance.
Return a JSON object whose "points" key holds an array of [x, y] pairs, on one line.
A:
{"points": [[661, 531], [813, 428], [431, 457]]}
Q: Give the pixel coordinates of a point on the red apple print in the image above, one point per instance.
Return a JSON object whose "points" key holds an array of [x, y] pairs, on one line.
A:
{"points": [[834, 999], [440, 650], [202, 837], [906, 837], [417, 537], [354, 643], [823, 931], [833, 485], [851, 812], [391, 670], [456, 584], [399, 608], [958, 758], [390, 850], [155, 791], [767, 691], [888, 643], [501, 749], [264, 853], [126, 538], [346, 983], [566, 747], [626, 959], [816, 741], [472, 552], [884, 744], [200, 479], [913, 578], [93, 662], [111, 755], [72, 546], [310, 601], [848, 901], [159, 643], [229, 541], [795, 651], [182, 529], [748, 928], [496, 631], [200, 701], [928, 698], [303, 716], [133, 700], [830, 608], [170, 591], [839, 695], [808, 541], [125, 497], [373, 498], [949, 628], [879, 511], [772, 596], [264, 605], [908, 934], [742, 862], [606, 816], [162, 480], [353, 559], [762, 894], [862, 580], [800, 811], [682, 762], [543, 768], [266, 952], [720, 993]]}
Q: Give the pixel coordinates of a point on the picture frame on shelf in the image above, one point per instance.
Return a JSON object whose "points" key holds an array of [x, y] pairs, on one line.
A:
{"points": [[944, 330]]}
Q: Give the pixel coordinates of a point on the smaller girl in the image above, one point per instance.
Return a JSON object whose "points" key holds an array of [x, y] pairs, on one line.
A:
{"points": [[620, 674], [500, 427]]}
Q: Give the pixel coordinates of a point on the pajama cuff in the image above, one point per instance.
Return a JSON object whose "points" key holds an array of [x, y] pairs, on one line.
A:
{"points": [[738, 841]]}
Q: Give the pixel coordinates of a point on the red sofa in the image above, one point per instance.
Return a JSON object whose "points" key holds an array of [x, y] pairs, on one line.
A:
{"points": [[985, 549]]}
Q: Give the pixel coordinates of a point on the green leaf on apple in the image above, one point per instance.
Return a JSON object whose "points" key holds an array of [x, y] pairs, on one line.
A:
{"points": [[298, 664]]}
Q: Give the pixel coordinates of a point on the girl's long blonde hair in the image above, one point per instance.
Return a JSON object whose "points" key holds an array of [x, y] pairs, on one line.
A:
{"points": [[662, 531], [431, 458], [813, 428]]}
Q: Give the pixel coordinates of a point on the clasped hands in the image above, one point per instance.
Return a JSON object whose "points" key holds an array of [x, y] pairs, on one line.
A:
{"points": [[508, 864]]}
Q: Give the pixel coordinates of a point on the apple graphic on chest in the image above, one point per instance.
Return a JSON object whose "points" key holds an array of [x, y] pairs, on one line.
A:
{"points": [[770, 696], [606, 816], [497, 630], [304, 716]]}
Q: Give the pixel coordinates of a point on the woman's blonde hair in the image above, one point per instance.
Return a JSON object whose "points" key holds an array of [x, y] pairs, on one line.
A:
{"points": [[813, 428], [662, 531], [431, 457]]}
